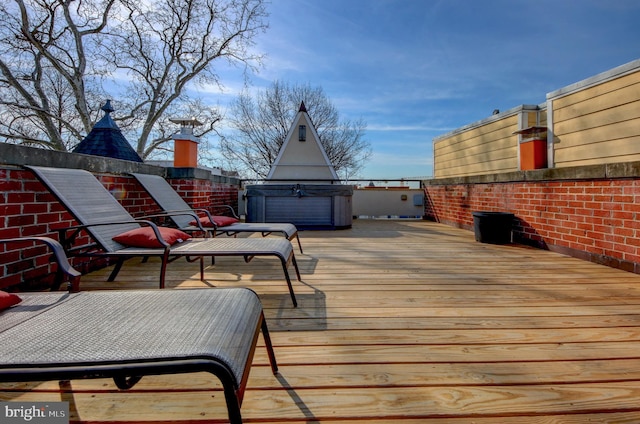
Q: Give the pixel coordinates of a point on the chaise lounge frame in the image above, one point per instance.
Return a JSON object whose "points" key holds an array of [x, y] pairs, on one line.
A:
{"points": [[124, 335], [64, 270], [171, 203], [103, 217]]}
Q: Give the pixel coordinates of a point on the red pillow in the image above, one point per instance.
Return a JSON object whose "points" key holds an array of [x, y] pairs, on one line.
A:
{"points": [[145, 237], [220, 221], [8, 299]]}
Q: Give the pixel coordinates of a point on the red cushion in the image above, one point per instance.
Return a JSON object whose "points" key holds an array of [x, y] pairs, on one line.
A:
{"points": [[220, 221], [145, 237], [8, 299]]}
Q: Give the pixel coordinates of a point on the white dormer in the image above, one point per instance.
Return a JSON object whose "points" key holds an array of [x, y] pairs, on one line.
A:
{"points": [[302, 156]]}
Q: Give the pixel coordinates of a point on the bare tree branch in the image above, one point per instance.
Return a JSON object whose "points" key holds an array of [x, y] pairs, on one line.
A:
{"points": [[176, 45], [59, 61]]}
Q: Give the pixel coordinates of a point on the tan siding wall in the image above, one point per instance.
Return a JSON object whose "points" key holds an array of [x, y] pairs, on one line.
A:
{"points": [[543, 117], [484, 149], [600, 124], [595, 121]]}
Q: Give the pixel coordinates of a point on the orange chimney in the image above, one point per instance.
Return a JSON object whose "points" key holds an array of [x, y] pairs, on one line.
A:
{"points": [[185, 149]]}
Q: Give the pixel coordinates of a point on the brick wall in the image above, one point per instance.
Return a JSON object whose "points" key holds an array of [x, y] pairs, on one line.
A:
{"points": [[28, 209], [206, 194], [596, 219]]}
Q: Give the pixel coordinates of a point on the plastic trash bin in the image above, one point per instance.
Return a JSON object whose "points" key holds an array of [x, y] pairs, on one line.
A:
{"points": [[493, 227]]}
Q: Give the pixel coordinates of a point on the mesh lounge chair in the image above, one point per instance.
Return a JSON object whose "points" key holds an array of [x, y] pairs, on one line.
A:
{"points": [[123, 335], [170, 201], [103, 217]]}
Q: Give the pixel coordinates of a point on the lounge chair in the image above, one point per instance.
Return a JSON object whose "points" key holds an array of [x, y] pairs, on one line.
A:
{"points": [[103, 217], [170, 201], [123, 335]]}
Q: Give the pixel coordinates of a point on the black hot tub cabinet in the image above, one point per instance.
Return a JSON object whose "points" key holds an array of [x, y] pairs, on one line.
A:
{"points": [[307, 206]]}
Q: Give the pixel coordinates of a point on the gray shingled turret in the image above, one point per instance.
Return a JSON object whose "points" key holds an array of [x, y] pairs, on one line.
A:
{"points": [[106, 139]]}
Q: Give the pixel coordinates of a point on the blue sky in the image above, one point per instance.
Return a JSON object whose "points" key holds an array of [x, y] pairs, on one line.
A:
{"points": [[416, 69]]}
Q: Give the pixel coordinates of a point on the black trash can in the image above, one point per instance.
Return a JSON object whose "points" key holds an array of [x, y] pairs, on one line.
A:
{"points": [[493, 227]]}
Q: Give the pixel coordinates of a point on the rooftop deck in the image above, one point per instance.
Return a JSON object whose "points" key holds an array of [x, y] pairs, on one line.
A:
{"points": [[407, 322]]}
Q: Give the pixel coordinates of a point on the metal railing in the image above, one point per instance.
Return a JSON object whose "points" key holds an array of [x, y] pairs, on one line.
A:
{"points": [[356, 183], [392, 198]]}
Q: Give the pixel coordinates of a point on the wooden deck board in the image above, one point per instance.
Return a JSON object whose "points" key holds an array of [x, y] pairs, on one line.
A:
{"points": [[403, 321]]}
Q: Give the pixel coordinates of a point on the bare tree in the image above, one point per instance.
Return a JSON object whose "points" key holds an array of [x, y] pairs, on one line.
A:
{"points": [[59, 61], [43, 64], [261, 122]]}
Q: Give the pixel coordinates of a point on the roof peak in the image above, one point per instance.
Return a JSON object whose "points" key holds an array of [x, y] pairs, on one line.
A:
{"points": [[107, 107], [106, 121]]}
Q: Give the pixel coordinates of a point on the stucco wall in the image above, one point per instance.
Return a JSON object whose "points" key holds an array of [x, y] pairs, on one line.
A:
{"points": [[385, 202]]}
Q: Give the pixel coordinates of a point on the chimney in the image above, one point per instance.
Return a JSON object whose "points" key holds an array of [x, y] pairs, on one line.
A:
{"points": [[185, 149]]}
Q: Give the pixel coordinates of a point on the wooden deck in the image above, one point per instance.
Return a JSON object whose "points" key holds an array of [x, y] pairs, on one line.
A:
{"points": [[406, 322]]}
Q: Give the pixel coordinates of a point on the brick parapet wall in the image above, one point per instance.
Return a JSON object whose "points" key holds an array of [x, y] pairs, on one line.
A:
{"points": [[206, 194], [596, 218], [28, 209]]}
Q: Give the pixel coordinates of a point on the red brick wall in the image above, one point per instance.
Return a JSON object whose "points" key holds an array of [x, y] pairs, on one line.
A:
{"points": [[206, 194], [28, 209], [596, 220]]}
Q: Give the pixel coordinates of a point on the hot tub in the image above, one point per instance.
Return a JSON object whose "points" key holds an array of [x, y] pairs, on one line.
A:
{"points": [[307, 206]]}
